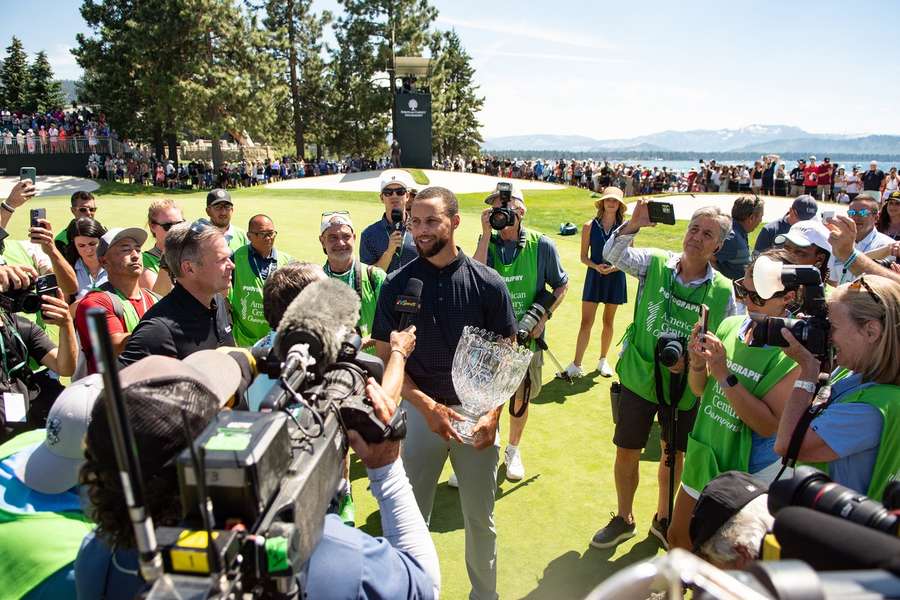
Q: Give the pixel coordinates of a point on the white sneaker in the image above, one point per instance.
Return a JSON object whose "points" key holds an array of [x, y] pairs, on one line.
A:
{"points": [[453, 481], [573, 370], [515, 470], [604, 368]]}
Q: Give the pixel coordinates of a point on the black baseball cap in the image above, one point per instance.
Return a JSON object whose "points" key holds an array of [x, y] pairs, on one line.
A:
{"points": [[721, 499], [218, 196]]}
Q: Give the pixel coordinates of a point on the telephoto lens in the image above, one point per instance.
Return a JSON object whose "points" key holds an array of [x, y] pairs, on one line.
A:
{"points": [[813, 489]]}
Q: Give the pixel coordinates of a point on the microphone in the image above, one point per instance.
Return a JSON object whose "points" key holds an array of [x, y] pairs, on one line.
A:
{"points": [[321, 315], [397, 219], [830, 543], [409, 303]]}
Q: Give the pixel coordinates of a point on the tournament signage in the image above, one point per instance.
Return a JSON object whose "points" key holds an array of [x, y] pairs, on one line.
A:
{"points": [[412, 117]]}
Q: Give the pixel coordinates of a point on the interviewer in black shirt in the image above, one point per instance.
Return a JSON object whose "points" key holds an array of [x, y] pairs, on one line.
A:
{"points": [[457, 291], [194, 315]]}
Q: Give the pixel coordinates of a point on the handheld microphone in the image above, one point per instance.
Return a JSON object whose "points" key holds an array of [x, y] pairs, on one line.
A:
{"points": [[830, 543], [409, 303], [321, 316], [397, 219]]}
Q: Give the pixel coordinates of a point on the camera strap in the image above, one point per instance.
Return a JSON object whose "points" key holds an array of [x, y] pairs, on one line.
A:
{"points": [[526, 396], [813, 411]]}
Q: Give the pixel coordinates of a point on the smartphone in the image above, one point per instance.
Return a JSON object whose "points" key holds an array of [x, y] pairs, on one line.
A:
{"points": [[704, 319], [37, 214], [28, 173], [827, 214], [661, 212]]}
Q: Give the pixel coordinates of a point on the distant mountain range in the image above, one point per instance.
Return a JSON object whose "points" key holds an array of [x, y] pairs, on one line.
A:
{"points": [[753, 138]]}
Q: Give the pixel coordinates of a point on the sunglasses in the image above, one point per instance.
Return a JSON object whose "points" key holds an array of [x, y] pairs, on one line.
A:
{"points": [[167, 226], [861, 284], [329, 213], [266, 235], [198, 227], [87, 209], [862, 212], [394, 191], [741, 292]]}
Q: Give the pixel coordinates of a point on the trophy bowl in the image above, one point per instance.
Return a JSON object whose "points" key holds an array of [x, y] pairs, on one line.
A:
{"points": [[487, 370]]}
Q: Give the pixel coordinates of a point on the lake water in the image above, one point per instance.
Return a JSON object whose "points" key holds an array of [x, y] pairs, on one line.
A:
{"points": [[686, 165]]}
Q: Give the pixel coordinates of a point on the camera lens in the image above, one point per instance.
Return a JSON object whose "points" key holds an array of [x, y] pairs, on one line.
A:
{"points": [[499, 218], [671, 353], [31, 303]]}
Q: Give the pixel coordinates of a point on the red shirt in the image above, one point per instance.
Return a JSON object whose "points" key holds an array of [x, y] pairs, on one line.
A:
{"points": [[810, 176], [825, 174], [115, 324]]}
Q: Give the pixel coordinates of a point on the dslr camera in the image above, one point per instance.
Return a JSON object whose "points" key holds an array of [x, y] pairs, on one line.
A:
{"points": [[503, 216], [670, 348], [811, 326], [28, 300], [541, 305]]}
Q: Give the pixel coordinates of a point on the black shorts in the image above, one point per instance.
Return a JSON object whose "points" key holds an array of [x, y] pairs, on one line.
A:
{"points": [[635, 418]]}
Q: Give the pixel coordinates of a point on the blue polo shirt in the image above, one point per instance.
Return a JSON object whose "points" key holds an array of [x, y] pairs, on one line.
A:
{"points": [[465, 292], [734, 255], [374, 241]]}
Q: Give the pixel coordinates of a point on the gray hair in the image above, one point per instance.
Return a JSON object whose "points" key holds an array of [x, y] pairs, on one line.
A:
{"points": [[714, 212], [746, 529], [184, 242]]}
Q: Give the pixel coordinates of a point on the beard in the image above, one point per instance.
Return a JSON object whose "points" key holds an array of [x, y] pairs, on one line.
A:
{"points": [[436, 247]]}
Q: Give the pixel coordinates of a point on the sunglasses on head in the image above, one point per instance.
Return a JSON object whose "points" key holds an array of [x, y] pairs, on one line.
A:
{"points": [[198, 227], [862, 212], [741, 292], [329, 213], [167, 226], [394, 191], [861, 284]]}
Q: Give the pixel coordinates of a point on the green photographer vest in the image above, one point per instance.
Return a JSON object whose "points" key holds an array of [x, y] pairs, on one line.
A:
{"points": [[246, 298], [520, 275], [366, 281], [720, 440], [49, 540], [151, 259], [666, 305], [14, 253]]}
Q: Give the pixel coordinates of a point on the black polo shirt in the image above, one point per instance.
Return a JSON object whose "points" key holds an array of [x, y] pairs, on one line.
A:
{"points": [[179, 325], [465, 292]]}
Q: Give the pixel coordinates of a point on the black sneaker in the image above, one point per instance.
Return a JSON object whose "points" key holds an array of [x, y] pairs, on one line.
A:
{"points": [[615, 532], [659, 528]]}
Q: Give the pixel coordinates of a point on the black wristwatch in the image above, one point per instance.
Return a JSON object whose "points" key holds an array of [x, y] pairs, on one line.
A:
{"points": [[730, 381]]}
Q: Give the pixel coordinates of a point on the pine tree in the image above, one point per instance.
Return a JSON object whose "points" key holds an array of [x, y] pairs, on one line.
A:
{"points": [[297, 45], [43, 93], [14, 76], [454, 102]]}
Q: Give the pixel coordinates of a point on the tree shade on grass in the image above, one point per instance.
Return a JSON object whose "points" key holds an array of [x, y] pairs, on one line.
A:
{"points": [[545, 521]]}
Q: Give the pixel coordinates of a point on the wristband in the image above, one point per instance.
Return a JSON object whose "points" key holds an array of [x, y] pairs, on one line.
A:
{"points": [[7, 207], [400, 352], [806, 386], [851, 259]]}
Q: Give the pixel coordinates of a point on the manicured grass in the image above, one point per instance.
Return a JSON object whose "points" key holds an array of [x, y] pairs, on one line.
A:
{"points": [[418, 176], [544, 522]]}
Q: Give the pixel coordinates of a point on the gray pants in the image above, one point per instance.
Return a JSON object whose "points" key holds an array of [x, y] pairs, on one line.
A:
{"points": [[424, 455]]}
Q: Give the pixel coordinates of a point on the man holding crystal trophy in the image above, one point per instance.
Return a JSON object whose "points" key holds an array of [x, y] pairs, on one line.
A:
{"points": [[465, 366]]}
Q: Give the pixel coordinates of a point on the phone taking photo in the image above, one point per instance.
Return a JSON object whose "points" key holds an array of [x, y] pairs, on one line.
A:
{"points": [[28, 173], [704, 319], [661, 212], [38, 215]]}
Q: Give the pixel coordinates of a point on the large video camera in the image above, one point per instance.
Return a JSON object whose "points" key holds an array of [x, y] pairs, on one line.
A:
{"points": [[811, 326], [28, 300], [503, 216]]}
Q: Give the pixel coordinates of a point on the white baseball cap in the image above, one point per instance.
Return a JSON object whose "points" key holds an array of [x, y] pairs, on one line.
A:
{"points": [[515, 193], [117, 234], [805, 234], [398, 177], [335, 218], [52, 466]]}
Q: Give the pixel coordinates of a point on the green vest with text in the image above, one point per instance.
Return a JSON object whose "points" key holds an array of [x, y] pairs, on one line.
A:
{"points": [[246, 298], [666, 305], [34, 546], [14, 253], [520, 275], [151, 258], [720, 441]]}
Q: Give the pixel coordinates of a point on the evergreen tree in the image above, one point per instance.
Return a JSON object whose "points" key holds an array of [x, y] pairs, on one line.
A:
{"points": [[297, 45], [454, 99], [14, 76], [43, 93]]}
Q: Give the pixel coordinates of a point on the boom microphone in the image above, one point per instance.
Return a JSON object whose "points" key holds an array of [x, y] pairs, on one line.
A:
{"points": [[397, 219], [321, 315], [409, 303], [830, 543]]}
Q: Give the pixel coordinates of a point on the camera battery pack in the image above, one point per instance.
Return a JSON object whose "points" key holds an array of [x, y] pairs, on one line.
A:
{"points": [[246, 456]]}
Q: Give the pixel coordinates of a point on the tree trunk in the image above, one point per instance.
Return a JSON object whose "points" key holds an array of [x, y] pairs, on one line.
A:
{"points": [[158, 145], [296, 108], [217, 157], [172, 143]]}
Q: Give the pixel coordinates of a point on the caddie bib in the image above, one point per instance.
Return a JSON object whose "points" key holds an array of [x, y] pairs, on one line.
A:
{"points": [[246, 298], [520, 275]]}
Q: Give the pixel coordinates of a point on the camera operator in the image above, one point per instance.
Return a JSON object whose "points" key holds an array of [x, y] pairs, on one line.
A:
{"points": [[386, 244], [806, 243], [671, 290], [742, 390], [457, 291], [528, 262], [857, 424], [22, 340]]}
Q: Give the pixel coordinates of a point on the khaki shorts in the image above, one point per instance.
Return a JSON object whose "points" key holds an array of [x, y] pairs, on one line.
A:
{"points": [[534, 374]]}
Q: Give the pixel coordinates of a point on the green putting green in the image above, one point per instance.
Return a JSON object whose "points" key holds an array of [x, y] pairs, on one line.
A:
{"points": [[544, 522]]}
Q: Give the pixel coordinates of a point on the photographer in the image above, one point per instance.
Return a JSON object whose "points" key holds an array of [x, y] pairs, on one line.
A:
{"points": [[528, 262], [346, 563], [742, 390], [857, 423], [22, 340], [670, 294]]}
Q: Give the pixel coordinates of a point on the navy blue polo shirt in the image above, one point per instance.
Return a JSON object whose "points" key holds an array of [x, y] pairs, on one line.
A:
{"points": [[374, 241], [734, 255], [465, 292]]}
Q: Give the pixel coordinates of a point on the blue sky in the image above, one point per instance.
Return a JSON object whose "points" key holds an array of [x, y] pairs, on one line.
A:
{"points": [[620, 69]]}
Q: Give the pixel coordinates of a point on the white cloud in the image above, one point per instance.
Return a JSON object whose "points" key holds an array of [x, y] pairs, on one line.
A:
{"points": [[521, 29]]}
